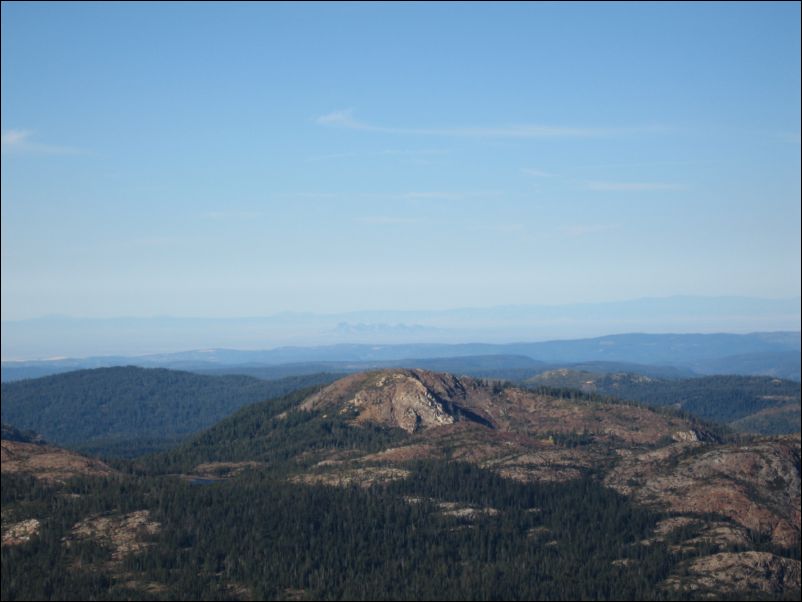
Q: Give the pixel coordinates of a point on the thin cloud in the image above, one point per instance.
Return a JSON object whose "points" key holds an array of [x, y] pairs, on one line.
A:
{"points": [[345, 120], [19, 141], [631, 186], [12, 138]]}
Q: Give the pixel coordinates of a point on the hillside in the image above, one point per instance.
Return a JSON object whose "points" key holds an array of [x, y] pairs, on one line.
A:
{"points": [[129, 410], [447, 531], [370, 411], [27, 454], [408, 484], [359, 427], [757, 404]]}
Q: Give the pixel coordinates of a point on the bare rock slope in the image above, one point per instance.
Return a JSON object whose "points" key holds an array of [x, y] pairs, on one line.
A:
{"points": [[48, 463], [660, 459]]}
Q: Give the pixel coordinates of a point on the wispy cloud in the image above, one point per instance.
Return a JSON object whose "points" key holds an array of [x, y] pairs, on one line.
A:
{"points": [[345, 120], [12, 138], [631, 186], [19, 141]]}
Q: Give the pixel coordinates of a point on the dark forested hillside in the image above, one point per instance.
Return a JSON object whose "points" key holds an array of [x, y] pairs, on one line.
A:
{"points": [[274, 433], [449, 531], [11, 433], [758, 404], [129, 410]]}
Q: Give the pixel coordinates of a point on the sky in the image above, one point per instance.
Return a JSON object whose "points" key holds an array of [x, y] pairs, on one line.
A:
{"points": [[230, 160]]}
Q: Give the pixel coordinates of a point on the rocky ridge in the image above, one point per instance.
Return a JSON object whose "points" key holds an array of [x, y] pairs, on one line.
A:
{"points": [[47, 462], [662, 460]]}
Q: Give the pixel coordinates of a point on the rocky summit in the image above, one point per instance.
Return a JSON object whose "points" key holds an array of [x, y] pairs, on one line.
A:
{"points": [[660, 459], [407, 399], [418, 400]]}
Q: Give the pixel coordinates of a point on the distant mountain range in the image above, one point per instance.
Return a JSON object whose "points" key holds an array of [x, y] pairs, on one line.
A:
{"points": [[79, 337], [764, 353]]}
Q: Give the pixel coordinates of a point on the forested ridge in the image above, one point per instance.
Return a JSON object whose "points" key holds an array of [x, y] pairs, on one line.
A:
{"points": [[725, 399], [128, 410], [270, 539]]}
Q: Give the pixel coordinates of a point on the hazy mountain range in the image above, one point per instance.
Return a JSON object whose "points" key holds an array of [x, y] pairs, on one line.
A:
{"points": [[60, 336], [768, 353]]}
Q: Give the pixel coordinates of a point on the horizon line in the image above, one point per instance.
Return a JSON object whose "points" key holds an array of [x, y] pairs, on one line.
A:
{"points": [[428, 344], [287, 312]]}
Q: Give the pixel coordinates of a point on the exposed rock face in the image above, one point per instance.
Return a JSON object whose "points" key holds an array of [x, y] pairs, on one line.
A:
{"points": [[739, 572], [756, 485], [409, 399], [705, 533], [47, 462], [523, 411], [125, 534], [691, 435], [513, 431], [465, 511], [21, 532], [416, 400], [223, 470], [363, 477]]}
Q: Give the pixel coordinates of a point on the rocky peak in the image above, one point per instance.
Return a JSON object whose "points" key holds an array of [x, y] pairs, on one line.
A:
{"points": [[409, 399]]}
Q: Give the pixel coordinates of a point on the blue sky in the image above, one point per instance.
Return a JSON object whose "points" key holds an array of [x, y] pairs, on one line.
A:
{"points": [[241, 160]]}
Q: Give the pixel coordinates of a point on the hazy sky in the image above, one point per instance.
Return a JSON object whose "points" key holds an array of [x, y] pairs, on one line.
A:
{"points": [[232, 160]]}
